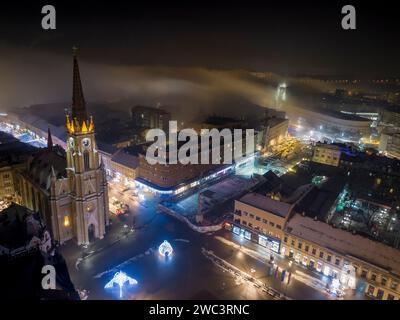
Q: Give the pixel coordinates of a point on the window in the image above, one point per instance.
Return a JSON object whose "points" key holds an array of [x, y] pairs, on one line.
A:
{"points": [[371, 290], [383, 281], [321, 254], [390, 297], [271, 224], [279, 226], [250, 225], [258, 218], [364, 274], [329, 258], [251, 215], [380, 293], [66, 221], [86, 160], [314, 251], [306, 248], [244, 223], [373, 277], [299, 245], [265, 221], [394, 285], [337, 261], [285, 239], [293, 242]]}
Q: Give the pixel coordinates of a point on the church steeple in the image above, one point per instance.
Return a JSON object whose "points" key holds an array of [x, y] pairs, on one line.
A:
{"points": [[49, 140], [79, 122], [78, 101]]}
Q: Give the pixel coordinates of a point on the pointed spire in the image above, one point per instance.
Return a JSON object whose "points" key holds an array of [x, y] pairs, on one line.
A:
{"points": [[49, 139], [53, 173], [78, 101]]}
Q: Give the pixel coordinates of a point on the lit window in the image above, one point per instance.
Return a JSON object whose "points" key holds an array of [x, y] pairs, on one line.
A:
{"points": [[66, 221]]}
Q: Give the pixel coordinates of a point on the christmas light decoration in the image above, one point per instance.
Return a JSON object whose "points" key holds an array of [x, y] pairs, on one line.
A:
{"points": [[120, 278], [165, 249]]}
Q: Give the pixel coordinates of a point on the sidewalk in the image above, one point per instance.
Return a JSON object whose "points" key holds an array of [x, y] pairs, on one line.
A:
{"points": [[312, 278]]}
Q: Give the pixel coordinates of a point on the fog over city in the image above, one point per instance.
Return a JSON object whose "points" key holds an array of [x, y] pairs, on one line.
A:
{"points": [[193, 151], [43, 78]]}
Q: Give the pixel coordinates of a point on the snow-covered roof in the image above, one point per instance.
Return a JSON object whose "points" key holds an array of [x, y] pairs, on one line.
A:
{"points": [[345, 242], [125, 159], [259, 201]]}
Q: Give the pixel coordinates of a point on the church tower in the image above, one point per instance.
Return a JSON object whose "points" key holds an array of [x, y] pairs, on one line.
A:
{"points": [[86, 175]]}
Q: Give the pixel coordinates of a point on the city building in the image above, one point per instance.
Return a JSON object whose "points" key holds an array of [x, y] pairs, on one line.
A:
{"points": [[328, 154], [218, 122], [389, 143], [124, 166], [275, 132], [13, 155], [333, 122], [260, 217], [391, 115], [176, 178], [356, 261], [69, 188], [106, 151], [144, 117]]}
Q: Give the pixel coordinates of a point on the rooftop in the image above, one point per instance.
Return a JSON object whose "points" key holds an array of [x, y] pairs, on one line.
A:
{"points": [[345, 242], [126, 159], [259, 201]]}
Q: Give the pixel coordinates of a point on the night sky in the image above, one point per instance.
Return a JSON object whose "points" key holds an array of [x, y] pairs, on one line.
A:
{"points": [[288, 37]]}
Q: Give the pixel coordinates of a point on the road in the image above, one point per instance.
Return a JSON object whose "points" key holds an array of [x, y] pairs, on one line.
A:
{"points": [[187, 274], [131, 245]]}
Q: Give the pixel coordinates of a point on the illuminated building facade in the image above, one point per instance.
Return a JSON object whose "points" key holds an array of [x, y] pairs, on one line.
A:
{"points": [[328, 154], [275, 132], [261, 219], [390, 143], [124, 166], [69, 188], [13, 155], [333, 252]]}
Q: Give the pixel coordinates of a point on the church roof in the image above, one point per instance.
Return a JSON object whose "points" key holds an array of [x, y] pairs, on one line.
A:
{"points": [[43, 164]]}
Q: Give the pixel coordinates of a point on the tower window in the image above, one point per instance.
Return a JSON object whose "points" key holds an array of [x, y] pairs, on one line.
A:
{"points": [[86, 160], [66, 221]]}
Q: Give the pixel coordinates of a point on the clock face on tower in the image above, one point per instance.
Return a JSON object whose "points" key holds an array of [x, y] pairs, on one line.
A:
{"points": [[86, 143]]}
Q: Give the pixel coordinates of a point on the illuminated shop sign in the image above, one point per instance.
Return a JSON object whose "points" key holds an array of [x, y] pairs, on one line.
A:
{"points": [[269, 243], [241, 232]]}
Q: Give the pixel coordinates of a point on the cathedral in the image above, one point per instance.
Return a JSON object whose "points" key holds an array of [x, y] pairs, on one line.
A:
{"points": [[69, 187]]}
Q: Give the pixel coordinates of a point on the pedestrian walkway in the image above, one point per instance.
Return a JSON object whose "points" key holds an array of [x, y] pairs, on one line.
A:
{"points": [[311, 278]]}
